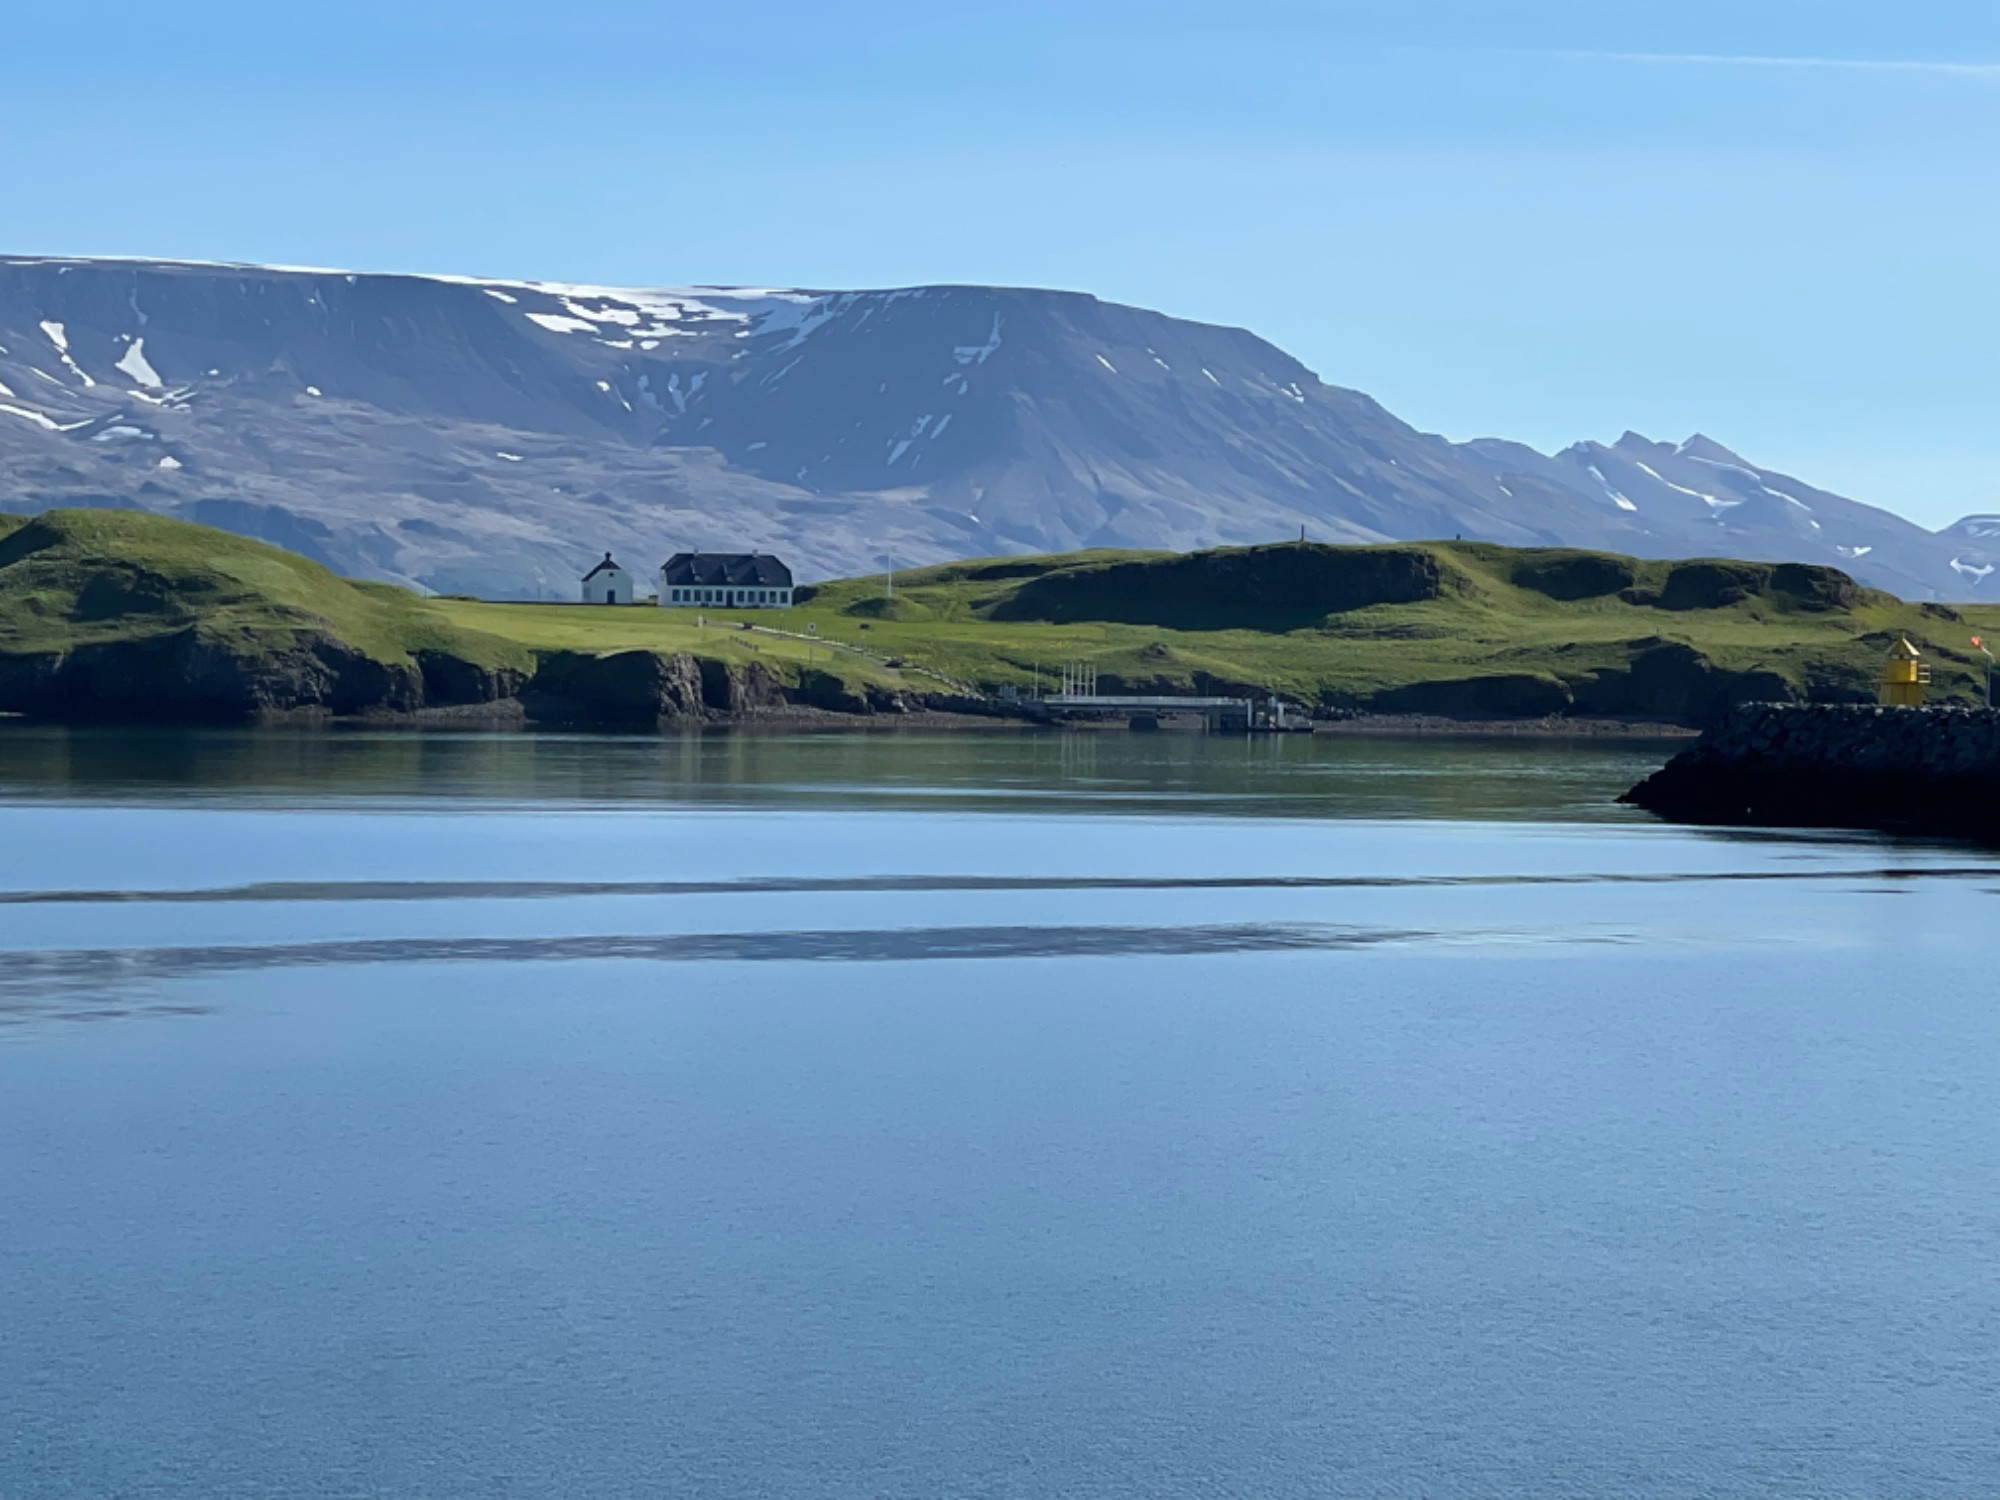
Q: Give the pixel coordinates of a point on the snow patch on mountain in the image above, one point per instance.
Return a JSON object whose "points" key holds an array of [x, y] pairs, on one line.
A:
{"points": [[978, 354], [59, 337], [138, 368], [1713, 502], [48, 424]]}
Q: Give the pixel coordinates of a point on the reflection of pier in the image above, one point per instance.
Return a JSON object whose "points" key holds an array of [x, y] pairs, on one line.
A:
{"points": [[1221, 715]]}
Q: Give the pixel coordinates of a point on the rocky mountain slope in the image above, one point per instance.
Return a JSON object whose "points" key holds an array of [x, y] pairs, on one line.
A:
{"points": [[497, 437]]}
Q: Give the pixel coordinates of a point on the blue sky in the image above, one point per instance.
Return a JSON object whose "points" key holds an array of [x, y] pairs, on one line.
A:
{"points": [[1773, 222]]}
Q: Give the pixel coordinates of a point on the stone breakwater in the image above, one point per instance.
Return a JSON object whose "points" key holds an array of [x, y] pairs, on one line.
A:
{"points": [[1917, 770]]}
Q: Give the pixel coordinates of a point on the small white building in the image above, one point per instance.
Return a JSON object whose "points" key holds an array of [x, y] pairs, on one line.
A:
{"points": [[725, 580], [607, 583]]}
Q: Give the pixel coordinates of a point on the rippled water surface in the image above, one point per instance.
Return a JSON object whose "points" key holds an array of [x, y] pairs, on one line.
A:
{"points": [[997, 1115]]}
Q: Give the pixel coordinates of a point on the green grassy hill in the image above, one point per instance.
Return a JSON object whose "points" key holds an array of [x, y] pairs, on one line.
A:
{"points": [[127, 614], [122, 613], [79, 577], [1452, 627]]}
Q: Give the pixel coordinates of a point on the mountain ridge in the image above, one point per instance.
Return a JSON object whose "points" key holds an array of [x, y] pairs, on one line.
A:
{"points": [[484, 435]]}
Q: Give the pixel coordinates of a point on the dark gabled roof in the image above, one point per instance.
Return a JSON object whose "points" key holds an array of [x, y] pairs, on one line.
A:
{"points": [[604, 567], [756, 569]]}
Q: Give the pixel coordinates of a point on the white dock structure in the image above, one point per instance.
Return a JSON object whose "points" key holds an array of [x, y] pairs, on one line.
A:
{"points": [[1223, 715], [1080, 699]]}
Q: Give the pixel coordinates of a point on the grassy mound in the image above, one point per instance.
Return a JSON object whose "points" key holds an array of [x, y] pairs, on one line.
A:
{"points": [[1441, 627], [882, 607], [1238, 588], [71, 578], [125, 614]]}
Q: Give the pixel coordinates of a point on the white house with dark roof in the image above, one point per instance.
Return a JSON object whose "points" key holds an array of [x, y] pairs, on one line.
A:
{"points": [[725, 580], [607, 583]]}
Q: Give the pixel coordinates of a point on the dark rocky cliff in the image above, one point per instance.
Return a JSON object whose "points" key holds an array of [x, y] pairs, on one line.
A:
{"points": [[1918, 770]]}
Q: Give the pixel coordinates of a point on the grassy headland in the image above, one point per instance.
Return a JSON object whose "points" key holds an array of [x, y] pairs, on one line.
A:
{"points": [[122, 613], [1450, 627]]}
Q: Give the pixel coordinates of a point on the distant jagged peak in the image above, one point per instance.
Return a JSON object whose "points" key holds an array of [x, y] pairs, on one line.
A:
{"points": [[1708, 449], [1632, 447], [1637, 444]]}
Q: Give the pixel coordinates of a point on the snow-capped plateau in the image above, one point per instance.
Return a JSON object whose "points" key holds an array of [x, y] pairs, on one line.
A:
{"points": [[496, 437]]}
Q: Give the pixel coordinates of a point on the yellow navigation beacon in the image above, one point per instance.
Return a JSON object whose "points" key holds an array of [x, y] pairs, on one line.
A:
{"points": [[1904, 676]]}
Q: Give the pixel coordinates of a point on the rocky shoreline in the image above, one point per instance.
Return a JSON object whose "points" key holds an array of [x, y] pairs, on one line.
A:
{"points": [[191, 676], [182, 677], [1932, 771]]}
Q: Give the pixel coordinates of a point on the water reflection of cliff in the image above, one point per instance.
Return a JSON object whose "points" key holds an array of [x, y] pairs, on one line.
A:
{"points": [[1185, 774]]}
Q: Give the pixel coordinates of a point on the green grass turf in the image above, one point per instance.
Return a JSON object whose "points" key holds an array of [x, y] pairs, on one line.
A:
{"points": [[76, 577], [1481, 622], [1248, 617]]}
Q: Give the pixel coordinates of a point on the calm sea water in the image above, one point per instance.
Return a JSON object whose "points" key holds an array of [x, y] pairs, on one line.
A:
{"points": [[898, 1116]]}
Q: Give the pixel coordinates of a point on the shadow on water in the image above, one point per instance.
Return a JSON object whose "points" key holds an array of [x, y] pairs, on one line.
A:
{"points": [[1285, 776], [541, 890]]}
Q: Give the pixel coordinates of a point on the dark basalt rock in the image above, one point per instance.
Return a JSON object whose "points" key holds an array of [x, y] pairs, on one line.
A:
{"points": [[1672, 681], [1810, 586], [1574, 575], [1712, 585], [190, 677], [819, 689], [625, 687], [730, 689], [1916, 770], [1507, 695], [451, 680], [186, 676], [1288, 587]]}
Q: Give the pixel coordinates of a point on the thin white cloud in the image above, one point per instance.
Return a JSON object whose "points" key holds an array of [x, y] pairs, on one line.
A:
{"points": [[1990, 71]]}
